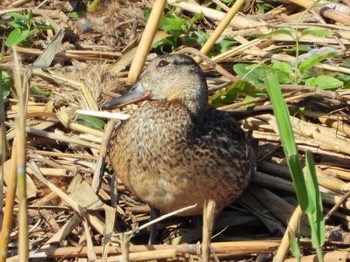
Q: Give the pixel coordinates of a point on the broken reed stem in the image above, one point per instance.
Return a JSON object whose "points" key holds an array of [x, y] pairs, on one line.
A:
{"points": [[146, 40], [208, 223], [291, 229], [124, 244], [337, 205], [220, 28], [21, 79], [91, 252], [96, 180], [330, 11], [3, 245], [150, 255], [233, 248], [9, 206]]}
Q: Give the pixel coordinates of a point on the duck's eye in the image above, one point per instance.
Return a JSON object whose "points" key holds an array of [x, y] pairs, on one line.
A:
{"points": [[163, 63]]}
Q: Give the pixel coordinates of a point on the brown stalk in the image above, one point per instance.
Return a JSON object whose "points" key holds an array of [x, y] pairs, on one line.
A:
{"points": [[124, 243], [233, 248], [151, 255], [3, 156], [96, 181], [221, 27], [91, 252], [9, 206], [146, 40], [291, 229], [208, 223], [21, 81], [337, 205], [60, 154]]}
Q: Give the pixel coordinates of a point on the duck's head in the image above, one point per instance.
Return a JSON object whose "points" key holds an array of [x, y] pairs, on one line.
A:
{"points": [[174, 78]]}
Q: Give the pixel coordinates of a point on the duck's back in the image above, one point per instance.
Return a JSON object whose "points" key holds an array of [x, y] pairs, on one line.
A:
{"points": [[170, 159]]}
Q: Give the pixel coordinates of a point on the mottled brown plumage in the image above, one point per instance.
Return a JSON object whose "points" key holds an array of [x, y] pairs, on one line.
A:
{"points": [[174, 151]]}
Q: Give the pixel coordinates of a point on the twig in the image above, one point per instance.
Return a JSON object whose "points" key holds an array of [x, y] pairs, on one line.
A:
{"points": [[96, 182], [9, 207], [337, 205], [236, 248], [221, 27], [211, 63], [179, 211]]}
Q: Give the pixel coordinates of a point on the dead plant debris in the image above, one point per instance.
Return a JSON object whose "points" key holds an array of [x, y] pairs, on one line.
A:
{"points": [[77, 208]]}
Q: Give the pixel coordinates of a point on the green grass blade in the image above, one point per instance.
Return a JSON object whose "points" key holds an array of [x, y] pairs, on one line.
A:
{"points": [[294, 246], [316, 218], [287, 138]]}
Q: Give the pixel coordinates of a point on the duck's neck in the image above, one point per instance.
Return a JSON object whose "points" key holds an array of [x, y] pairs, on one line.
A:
{"points": [[195, 109]]}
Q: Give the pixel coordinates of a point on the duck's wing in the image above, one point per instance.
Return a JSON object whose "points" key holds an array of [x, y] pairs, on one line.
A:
{"points": [[224, 145]]}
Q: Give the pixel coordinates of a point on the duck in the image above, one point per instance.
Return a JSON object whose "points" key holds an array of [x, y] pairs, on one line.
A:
{"points": [[175, 150]]}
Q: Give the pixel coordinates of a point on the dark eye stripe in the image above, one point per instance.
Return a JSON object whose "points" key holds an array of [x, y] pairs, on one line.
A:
{"points": [[163, 63]]}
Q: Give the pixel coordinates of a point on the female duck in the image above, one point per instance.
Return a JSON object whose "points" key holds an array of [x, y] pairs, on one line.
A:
{"points": [[174, 151]]}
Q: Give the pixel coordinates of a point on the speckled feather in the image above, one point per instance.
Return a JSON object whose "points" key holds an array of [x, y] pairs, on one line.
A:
{"points": [[175, 151]]}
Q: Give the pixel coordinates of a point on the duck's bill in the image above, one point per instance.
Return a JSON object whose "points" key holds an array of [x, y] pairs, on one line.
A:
{"points": [[136, 94]]}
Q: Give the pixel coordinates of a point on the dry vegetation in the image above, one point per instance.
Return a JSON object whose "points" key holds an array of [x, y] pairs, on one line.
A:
{"points": [[77, 207]]}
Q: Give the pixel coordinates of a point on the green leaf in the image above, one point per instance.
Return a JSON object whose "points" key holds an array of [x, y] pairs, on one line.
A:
{"points": [[313, 60], [225, 44], [341, 76], [231, 93], [43, 26], [345, 62], [316, 218], [251, 73], [317, 32], [91, 121], [173, 25], [301, 50], [19, 24], [200, 36], [282, 66], [255, 74], [40, 92], [147, 13], [93, 6], [165, 45], [324, 82], [283, 77], [26, 17], [73, 15], [195, 18], [7, 84], [179, 30], [286, 31], [347, 85], [263, 8], [16, 37]]}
